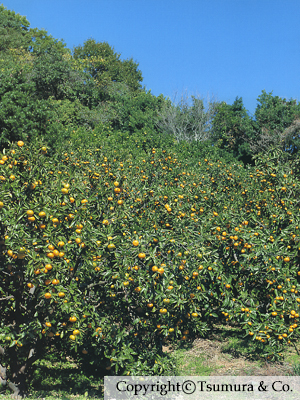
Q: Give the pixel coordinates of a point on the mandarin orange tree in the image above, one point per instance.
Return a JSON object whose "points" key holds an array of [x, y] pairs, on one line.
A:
{"points": [[107, 255]]}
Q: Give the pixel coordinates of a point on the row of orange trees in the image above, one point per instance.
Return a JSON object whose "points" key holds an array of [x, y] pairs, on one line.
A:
{"points": [[109, 256]]}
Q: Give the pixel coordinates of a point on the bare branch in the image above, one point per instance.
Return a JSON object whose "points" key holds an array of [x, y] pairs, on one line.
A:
{"points": [[6, 298], [187, 118]]}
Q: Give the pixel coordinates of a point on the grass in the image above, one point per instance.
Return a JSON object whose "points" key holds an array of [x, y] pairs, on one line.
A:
{"points": [[222, 354]]}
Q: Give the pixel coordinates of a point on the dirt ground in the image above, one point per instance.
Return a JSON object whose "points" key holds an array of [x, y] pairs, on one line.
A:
{"points": [[221, 363]]}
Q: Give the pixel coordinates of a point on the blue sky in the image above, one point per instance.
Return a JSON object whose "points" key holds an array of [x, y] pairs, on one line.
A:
{"points": [[211, 48]]}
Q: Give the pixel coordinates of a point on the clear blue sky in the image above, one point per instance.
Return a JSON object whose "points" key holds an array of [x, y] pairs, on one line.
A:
{"points": [[216, 48]]}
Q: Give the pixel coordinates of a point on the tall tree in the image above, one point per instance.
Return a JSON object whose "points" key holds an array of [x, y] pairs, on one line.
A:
{"points": [[232, 128], [105, 66], [278, 123]]}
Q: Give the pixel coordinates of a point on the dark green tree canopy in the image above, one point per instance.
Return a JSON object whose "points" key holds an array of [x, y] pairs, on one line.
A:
{"points": [[13, 30], [101, 61]]}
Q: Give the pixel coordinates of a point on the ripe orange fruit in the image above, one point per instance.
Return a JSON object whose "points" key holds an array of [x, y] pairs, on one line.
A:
{"points": [[22, 253], [163, 311], [73, 319], [48, 267], [111, 246], [141, 256], [29, 213], [61, 294], [194, 314], [20, 143], [48, 295], [64, 190], [1, 204], [72, 337], [135, 242]]}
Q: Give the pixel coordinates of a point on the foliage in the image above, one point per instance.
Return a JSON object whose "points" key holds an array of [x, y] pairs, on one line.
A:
{"points": [[277, 123], [95, 236], [104, 65], [127, 222], [13, 30], [232, 128]]}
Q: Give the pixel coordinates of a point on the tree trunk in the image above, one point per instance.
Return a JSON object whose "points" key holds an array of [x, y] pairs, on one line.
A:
{"points": [[19, 373]]}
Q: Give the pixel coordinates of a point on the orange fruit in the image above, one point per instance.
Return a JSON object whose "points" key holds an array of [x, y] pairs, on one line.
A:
{"points": [[48, 295], [141, 256], [20, 143]]}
